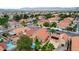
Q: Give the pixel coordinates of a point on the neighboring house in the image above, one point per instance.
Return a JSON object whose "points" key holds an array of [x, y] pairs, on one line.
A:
{"points": [[54, 39], [32, 30], [30, 20], [63, 24], [41, 22], [29, 33], [31, 26], [2, 46], [23, 20], [64, 36], [75, 43], [42, 35], [21, 30], [69, 19], [41, 17], [55, 19], [58, 39], [14, 24]]}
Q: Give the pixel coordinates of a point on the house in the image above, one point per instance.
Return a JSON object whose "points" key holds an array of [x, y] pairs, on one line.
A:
{"points": [[32, 30], [2, 46], [31, 20], [54, 39], [58, 39], [41, 17], [21, 30], [41, 22], [63, 24], [31, 26], [69, 19], [55, 19], [23, 20], [42, 35], [64, 36], [29, 33], [75, 43], [14, 24], [15, 33]]}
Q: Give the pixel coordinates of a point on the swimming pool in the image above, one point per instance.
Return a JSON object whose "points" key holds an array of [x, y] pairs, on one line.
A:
{"points": [[10, 45], [33, 45]]}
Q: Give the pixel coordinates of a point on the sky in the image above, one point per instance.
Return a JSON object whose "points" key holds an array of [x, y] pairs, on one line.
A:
{"points": [[14, 4]]}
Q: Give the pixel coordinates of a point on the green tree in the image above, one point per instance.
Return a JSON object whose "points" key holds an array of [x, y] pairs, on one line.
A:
{"points": [[62, 16], [44, 47], [6, 16], [50, 47], [25, 16], [24, 23], [69, 28], [36, 15], [47, 47], [32, 16], [5, 34], [35, 21], [38, 45], [4, 21], [53, 24], [46, 24], [51, 30], [24, 43], [48, 15], [71, 23], [17, 17]]}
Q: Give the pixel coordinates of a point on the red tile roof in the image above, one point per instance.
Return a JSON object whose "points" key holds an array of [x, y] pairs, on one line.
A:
{"points": [[53, 19], [68, 19], [21, 30], [75, 43], [63, 25], [65, 36], [2, 46], [30, 32], [41, 22], [42, 35]]}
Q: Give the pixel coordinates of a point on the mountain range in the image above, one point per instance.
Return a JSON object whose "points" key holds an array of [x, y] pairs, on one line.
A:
{"points": [[26, 9]]}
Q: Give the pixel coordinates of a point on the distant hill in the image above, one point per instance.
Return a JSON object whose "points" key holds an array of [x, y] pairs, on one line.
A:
{"points": [[52, 9], [41, 9]]}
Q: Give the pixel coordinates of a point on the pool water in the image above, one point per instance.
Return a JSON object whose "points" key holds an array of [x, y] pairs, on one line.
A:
{"points": [[33, 45], [10, 45]]}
